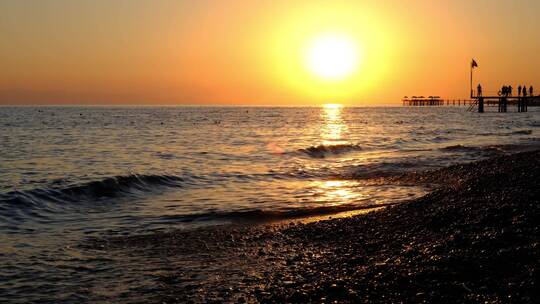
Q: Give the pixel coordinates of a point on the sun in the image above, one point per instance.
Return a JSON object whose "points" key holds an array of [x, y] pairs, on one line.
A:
{"points": [[332, 56]]}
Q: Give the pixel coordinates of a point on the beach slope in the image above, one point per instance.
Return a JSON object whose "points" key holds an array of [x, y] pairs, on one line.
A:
{"points": [[474, 239]]}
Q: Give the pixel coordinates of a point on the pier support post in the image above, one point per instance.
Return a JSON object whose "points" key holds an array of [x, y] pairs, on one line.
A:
{"points": [[481, 105], [503, 104]]}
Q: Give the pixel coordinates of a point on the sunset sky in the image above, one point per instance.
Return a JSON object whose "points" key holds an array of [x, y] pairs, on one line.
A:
{"points": [[258, 52]]}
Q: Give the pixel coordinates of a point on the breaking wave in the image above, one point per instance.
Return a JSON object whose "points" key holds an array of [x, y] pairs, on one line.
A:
{"points": [[323, 151], [522, 132], [111, 187]]}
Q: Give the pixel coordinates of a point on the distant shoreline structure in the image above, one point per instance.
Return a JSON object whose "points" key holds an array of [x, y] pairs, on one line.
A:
{"points": [[433, 101]]}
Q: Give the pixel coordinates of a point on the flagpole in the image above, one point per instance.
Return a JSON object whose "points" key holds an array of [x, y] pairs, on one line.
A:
{"points": [[471, 82]]}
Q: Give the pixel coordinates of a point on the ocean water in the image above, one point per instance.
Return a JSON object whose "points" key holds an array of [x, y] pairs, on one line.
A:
{"points": [[69, 173]]}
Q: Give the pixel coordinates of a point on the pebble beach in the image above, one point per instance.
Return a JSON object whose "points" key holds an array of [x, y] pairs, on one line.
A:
{"points": [[473, 239]]}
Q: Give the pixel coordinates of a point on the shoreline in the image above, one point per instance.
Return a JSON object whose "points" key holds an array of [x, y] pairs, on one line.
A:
{"points": [[473, 239]]}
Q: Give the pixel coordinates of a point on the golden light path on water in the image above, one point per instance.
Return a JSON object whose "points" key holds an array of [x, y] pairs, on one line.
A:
{"points": [[334, 191], [345, 192], [334, 126]]}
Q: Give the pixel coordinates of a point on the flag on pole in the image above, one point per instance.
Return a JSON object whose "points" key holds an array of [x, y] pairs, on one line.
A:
{"points": [[474, 64]]}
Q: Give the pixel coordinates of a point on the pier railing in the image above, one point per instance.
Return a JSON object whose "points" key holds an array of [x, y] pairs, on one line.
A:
{"points": [[503, 101], [477, 102]]}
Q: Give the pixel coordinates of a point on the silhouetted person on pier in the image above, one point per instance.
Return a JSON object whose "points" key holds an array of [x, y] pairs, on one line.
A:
{"points": [[510, 90], [531, 91], [519, 91], [524, 91], [479, 90], [505, 91]]}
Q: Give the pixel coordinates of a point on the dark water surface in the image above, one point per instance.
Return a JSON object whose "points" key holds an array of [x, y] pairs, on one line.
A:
{"points": [[68, 173]]}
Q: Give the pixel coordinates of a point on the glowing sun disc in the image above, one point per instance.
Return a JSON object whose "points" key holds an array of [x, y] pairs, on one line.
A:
{"points": [[332, 56]]}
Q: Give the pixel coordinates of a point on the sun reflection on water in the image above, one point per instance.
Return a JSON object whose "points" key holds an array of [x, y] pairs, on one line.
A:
{"points": [[334, 127], [336, 192]]}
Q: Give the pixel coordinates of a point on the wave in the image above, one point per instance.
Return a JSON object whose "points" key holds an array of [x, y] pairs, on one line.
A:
{"points": [[440, 138], [493, 149], [462, 148], [110, 187], [113, 186], [261, 215], [323, 151], [57, 197], [385, 169], [522, 132]]}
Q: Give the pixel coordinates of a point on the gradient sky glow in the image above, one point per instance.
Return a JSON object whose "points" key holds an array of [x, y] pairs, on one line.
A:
{"points": [[251, 52]]}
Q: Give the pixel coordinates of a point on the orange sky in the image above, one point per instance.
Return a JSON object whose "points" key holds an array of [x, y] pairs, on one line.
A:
{"points": [[251, 52]]}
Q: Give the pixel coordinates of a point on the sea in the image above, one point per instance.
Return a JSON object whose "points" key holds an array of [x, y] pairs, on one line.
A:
{"points": [[68, 174]]}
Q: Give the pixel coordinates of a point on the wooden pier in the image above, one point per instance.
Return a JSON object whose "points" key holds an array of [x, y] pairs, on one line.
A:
{"points": [[502, 102], [478, 103], [422, 101]]}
